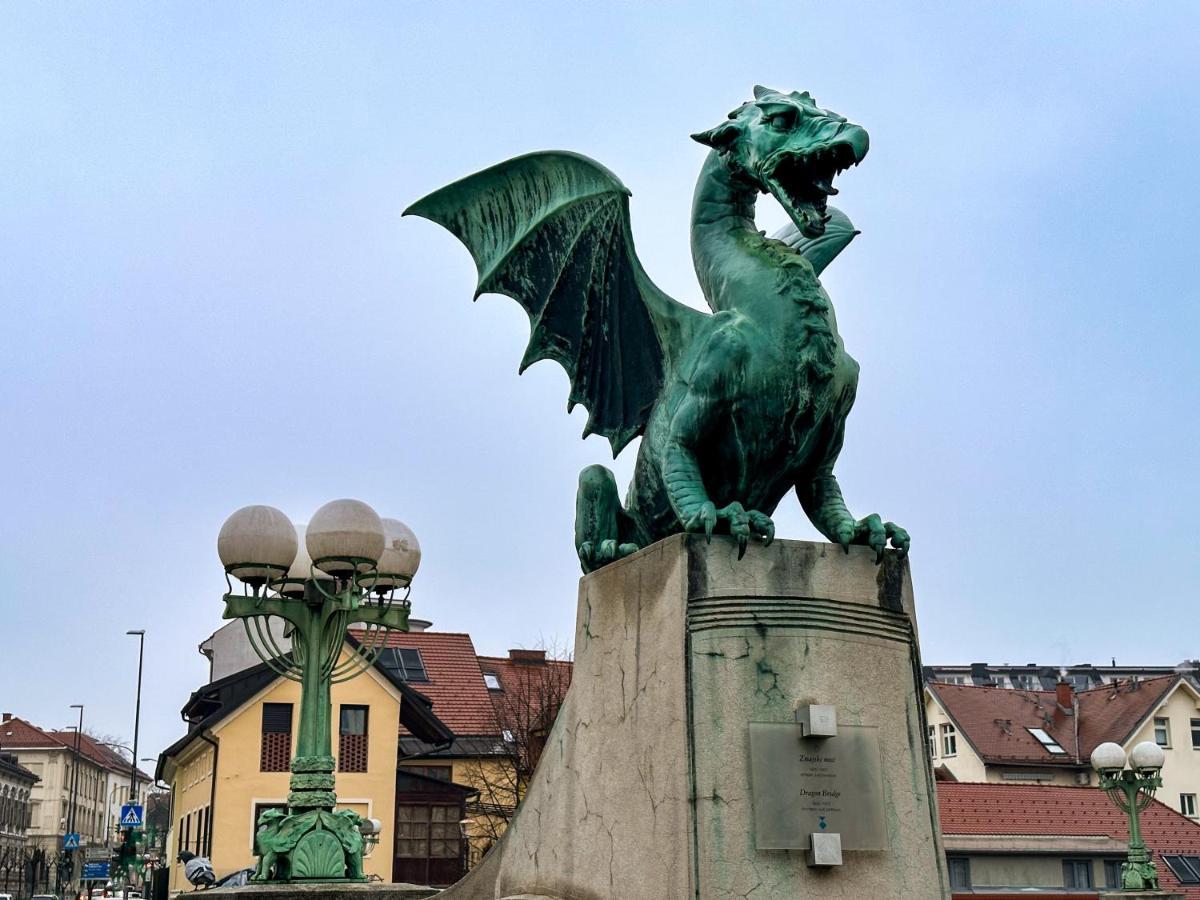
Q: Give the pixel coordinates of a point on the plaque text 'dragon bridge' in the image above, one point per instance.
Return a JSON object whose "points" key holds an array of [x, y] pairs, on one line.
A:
{"points": [[804, 786]]}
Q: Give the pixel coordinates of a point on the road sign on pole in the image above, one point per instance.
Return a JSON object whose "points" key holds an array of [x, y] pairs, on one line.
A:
{"points": [[95, 871], [71, 840], [131, 816]]}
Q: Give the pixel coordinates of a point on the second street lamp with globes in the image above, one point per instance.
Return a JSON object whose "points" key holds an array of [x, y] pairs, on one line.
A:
{"points": [[350, 567], [1131, 790]]}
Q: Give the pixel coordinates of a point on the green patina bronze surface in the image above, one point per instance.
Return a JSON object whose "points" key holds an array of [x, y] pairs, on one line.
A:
{"points": [[735, 408], [310, 841], [1132, 792]]}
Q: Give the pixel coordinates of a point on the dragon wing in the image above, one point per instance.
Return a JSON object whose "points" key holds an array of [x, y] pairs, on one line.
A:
{"points": [[820, 251], [551, 230]]}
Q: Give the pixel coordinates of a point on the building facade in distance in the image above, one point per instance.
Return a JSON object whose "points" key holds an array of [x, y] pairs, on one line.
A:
{"points": [[1006, 735], [99, 790], [16, 787], [1010, 841]]}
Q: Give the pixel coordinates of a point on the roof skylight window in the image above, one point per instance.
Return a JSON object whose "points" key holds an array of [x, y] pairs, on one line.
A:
{"points": [[1051, 745]]}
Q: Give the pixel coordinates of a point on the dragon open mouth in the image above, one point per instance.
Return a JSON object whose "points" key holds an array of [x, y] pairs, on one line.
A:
{"points": [[802, 181]]}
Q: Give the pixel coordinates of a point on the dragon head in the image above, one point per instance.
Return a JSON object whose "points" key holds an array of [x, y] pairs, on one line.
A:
{"points": [[786, 144]]}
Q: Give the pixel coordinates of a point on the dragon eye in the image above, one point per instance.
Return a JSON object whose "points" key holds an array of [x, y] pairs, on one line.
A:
{"points": [[782, 120]]}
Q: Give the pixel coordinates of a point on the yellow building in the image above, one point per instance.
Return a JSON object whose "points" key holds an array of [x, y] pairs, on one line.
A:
{"points": [[995, 734], [233, 762]]}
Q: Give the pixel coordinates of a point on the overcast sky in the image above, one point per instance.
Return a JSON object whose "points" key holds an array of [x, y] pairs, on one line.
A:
{"points": [[210, 300]]}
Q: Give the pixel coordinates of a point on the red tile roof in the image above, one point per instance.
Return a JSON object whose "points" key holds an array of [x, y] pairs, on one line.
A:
{"points": [[455, 685], [533, 688], [1011, 810], [995, 721], [18, 734], [100, 754]]}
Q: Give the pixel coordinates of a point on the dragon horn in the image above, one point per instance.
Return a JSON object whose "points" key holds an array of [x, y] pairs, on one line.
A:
{"points": [[760, 91]]}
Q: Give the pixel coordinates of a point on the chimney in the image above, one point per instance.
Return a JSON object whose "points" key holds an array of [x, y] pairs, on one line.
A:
{"points": [[1064, 695], [419, 625], [7, 717], [529, 657]]}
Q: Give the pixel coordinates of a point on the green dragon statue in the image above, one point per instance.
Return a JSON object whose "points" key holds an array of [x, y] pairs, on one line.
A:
{"points": [[736, 407]]}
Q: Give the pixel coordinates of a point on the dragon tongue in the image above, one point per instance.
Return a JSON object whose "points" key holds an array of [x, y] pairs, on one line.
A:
{"points": [[822, 184]]}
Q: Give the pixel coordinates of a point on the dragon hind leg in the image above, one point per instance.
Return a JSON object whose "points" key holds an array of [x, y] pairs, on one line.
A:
{"points": [[601, 525]]}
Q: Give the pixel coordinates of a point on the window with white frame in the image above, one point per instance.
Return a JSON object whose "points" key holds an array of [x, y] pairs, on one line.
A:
{"points": [[1196, 734], [1052, 746], [1187, 804], [949, 740], [932, 742], [1162, 731]]}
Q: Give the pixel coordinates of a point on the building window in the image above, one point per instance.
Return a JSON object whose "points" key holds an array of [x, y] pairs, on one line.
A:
{"points": [[960, 872], [352, 739], [1112, 873], [1196, 734], [442, 773], [932, 742], [1162, 731], [1187, 804], [276, 751], [1024, 682], [1077, 873], [492, 682], [404, 663], [1185, 868], [1051, 745], [949, 740]]}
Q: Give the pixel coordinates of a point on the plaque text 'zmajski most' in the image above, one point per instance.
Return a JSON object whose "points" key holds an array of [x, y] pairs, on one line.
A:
{"points": [[804, 787]]}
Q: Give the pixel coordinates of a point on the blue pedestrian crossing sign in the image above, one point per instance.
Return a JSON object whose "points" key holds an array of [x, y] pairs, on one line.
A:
{"points": [[131, 816], [71, 840]]}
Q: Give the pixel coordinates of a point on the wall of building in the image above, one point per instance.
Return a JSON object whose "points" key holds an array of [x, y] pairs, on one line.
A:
{"points": [[240, 785], [1017, 871], [51, 797], [965, 764], [229, 651], [1181, 770]]}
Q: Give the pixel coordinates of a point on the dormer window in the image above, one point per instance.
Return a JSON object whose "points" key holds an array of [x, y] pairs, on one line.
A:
{"points": [[1052, 746]]}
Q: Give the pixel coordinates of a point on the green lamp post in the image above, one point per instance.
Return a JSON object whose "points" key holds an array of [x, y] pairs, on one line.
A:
{"points": [[350, 567], [1131, 789]]}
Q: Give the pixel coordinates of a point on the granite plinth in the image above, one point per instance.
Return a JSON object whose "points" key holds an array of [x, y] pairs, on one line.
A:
{"points": [[645, 788], [1145, 895], [372, 891]]}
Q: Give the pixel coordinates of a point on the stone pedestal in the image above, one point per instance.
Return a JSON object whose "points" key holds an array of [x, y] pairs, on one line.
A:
{"points": [[324, 892], [677, 767], [1135, 895]]}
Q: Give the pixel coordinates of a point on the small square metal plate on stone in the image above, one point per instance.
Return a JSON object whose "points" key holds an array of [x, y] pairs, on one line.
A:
{"points": [[804, 787]]}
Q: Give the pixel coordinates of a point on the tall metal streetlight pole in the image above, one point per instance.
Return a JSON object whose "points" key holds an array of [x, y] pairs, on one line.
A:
{"points": [[74, 790], [137, 714], [75, 770]]}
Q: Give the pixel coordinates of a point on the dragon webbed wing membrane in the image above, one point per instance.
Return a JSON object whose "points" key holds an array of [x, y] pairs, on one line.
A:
{"points": [[551, 230]]}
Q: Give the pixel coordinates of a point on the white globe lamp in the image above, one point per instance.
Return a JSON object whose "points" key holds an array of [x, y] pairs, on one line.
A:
{"points": [[1108, 757], [401, 555], [1146, 755], [257, 543], [291, 585], [345, 537]]}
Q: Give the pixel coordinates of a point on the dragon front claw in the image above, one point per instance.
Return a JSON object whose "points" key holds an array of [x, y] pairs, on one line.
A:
{"points": [[742, 523], [874, 533]]}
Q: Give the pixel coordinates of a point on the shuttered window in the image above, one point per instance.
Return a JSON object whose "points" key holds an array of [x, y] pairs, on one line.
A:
{"points": [[352, 739], [276, 753]]}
